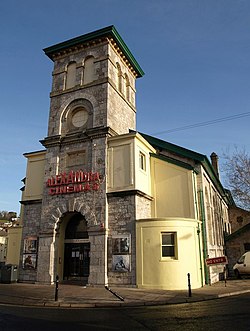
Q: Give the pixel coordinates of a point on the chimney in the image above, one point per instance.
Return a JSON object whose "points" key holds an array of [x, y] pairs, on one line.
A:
{"points": [[214, 159]]}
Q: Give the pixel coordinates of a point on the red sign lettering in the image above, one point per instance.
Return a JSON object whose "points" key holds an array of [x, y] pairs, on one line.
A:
{"points": [[73, 182], [217, 260]]}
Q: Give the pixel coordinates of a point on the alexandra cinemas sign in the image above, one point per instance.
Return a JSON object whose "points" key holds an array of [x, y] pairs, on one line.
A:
{"points": [[73, 182]]}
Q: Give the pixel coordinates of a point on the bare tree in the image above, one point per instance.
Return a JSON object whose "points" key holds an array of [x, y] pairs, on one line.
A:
{"points": [[7, 215], [237, 170]]}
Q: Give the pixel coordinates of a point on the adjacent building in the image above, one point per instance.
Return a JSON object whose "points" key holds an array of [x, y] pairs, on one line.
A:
{"points": [[104, 203], [238, 241]]}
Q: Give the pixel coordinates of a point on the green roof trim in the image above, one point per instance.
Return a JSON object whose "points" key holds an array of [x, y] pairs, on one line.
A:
{"points": [[184, 152], [158, 143], [109, 31]]}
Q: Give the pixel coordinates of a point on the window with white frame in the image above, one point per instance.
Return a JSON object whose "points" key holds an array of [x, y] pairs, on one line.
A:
{"points": [[142, 161], [169, 245]]}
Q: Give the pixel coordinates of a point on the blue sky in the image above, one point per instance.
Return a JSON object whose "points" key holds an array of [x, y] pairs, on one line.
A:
{"points": [[195, 55]]}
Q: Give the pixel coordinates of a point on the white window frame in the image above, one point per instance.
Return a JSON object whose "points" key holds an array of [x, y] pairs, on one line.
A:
{"points": [[142, 161], [172, 244]]}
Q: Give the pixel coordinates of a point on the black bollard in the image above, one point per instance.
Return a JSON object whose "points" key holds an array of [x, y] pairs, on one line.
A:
{"points": [[189, 286], [56, 291], [225, 276]]}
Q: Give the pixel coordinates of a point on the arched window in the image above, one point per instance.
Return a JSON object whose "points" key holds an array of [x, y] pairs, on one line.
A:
{"points": [[71, 75], [119, 78], [77, 116], [89, 72], [127, 86]]}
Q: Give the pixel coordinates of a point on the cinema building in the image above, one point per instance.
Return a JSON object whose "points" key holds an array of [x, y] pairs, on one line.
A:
{"points": [[104, 204]]}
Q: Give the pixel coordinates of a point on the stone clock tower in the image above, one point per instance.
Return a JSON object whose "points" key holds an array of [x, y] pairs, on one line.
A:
{"points": [[92, 99]]}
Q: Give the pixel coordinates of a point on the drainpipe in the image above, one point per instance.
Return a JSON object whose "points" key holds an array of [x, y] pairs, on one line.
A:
{"points": [[204, 233], [198, 228], [199, 242]]}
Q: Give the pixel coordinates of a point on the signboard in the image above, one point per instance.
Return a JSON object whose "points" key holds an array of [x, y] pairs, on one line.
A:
{"points": [[216, 260], [73, 182]]}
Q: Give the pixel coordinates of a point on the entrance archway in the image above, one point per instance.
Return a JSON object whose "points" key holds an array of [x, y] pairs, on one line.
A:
{"points": [[76, 250]]}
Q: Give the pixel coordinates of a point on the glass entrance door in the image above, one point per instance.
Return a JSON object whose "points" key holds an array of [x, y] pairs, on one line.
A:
{"points": [[76, 261]]}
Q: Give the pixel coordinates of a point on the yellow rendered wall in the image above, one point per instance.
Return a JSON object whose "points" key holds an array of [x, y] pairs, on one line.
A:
{"points": [[3, 248], [143, 177], [124, 172], [121, 174], [35, 169], [173, 190], [14, 244], [153, 271]]}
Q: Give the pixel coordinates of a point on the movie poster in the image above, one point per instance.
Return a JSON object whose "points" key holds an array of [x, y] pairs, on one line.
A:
{"points": [[120, 244], [30, 253], [121, 263], [29, 261]]}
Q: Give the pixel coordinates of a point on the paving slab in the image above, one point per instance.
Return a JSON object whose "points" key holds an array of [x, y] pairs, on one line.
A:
{"points": [[75, 296]]}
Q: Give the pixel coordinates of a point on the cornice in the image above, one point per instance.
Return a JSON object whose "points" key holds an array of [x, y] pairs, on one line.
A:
{"points": [[102, 36], [130, 192], [31, 202], [77, 137]]}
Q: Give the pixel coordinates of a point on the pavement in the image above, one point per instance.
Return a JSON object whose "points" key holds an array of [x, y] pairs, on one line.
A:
{"points": [[75, 296]]}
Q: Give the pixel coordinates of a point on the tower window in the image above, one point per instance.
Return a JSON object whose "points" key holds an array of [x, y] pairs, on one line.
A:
{"points": [[71, 75], [89, 73], [119, 78], [127, 87]]}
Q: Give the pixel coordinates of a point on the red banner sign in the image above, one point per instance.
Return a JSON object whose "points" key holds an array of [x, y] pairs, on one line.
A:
{"points": [[216, 260], [73, 182]]}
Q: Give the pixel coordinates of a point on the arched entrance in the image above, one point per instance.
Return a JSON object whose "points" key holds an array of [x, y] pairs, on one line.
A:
{"points": [[76, 250]]}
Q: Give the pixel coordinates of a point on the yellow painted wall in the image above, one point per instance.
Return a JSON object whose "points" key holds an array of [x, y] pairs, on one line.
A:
{"points": [[153, 271], [121, 169], [124, 171], [14, 245], [3, 248], [143, 177], [34, 176], [173, 190]]}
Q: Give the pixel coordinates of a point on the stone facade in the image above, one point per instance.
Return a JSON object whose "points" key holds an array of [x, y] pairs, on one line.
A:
{"points": [[31, 218], [107, 211], [238, 218], [121, 215], [236, 245], [123, 211], [238, 242], [95, 78]]}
